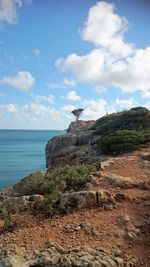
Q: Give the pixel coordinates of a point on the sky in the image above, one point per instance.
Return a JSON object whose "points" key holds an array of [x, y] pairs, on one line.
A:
{"points": [[58, 55]]}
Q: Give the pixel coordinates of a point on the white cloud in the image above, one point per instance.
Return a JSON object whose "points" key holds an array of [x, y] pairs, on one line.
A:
{"points": [[67, 108], [8, 108], [36, 111], [23, 80], [146, 94], [43, 98], [105, 28], [68, 83], [72, 95], [64, 84], [113, 62], [86, 68], [132, 74], [94, 109], [99, 89], [125, 103], [8, 10], [37, 115]]}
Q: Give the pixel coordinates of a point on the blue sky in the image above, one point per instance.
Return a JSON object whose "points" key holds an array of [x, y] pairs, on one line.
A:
{"points": [[59, 55]]}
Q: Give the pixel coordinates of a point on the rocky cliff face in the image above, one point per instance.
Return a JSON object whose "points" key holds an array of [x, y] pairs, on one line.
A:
{"points": [[76, 146]]}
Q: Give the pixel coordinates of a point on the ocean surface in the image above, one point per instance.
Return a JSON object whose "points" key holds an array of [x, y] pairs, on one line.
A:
{"points": [[21, 153]]}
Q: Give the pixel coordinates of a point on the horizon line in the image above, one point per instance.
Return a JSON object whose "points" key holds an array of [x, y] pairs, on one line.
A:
{"points": [[13, 129]]}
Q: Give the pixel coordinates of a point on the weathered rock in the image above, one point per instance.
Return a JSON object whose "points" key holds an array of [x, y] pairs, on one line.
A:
{"points": [[77, 145], [78, 257], [78, 200], [84, 227], [57, 256], [17, 204], [106, 163], [50, 256], [105, 197], [80, 126], [85, 199], [13, 261], [121, 181]]}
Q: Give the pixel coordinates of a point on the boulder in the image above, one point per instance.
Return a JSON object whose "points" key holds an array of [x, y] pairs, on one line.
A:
{"points": [[105, 197], [78, 200], [85, 199]]}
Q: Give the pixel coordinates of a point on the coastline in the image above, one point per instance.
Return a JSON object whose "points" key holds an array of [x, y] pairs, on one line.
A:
{"points": [[22, 152]]}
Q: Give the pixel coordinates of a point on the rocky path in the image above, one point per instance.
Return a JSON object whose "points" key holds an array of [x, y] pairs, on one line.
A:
{"points": [[124, 227]]}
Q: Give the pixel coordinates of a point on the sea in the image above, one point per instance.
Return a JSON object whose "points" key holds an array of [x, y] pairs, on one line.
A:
{"points": [[22, 152]]}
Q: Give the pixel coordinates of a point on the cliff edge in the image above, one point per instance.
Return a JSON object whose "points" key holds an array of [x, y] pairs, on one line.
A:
{"points": [[77, 145]]}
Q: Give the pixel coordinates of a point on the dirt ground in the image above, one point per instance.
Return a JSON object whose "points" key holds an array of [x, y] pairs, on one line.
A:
{"points": [[126, 226]]}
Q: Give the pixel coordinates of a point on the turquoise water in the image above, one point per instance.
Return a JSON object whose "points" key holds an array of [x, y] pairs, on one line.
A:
{"points": [[21, 153]]}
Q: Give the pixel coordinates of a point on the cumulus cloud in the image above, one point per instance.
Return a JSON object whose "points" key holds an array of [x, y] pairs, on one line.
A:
{"points": [[86, 68], [94, 109], [43, 98], [113, 61], [12, 108], [34, 110], [23, 80], [37, 114], [105, 28], [64, 84], [72, 95], [99, 89], [133, 74], [124, 103], [8, 10]]}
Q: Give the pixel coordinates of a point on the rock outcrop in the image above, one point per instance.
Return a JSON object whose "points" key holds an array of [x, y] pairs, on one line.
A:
{"points": [[68, 202], [58, 256], [77, 145], [85, 200]]}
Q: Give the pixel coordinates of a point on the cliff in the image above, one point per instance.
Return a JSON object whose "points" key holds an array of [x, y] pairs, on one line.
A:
{"points": [[78, 145], [112, 134]]}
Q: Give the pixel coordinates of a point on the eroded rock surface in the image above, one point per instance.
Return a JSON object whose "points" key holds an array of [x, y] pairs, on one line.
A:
{"points": [[58, 256], [77, 145], [85, 200]]}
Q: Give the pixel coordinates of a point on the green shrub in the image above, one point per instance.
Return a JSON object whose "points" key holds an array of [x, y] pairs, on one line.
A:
{"points": [[53, 183], [124, 141], [60, 180], [133, 119]]}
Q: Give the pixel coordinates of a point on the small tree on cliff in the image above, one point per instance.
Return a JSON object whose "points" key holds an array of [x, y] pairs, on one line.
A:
{"points": [[77, 113]]}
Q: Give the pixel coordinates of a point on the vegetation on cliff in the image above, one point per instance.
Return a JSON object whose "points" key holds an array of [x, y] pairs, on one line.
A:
{"points": [[124, 140], [123, 131]]}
